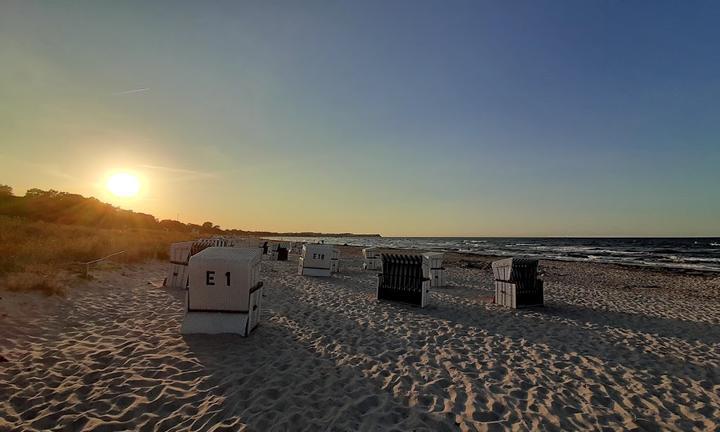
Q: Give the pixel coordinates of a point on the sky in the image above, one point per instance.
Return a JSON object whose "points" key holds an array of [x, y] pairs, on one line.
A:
{"points": [[404, 118]]}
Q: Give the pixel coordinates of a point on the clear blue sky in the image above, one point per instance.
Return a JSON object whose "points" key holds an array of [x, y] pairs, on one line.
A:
{"points": [[398, 117]]}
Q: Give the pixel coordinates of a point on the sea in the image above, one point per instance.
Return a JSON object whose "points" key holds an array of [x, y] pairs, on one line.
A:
{"points": [[680, 253]]}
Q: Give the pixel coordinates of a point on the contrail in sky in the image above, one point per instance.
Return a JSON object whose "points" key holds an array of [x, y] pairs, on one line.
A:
{"points": [[131, 91], [177, 170]]}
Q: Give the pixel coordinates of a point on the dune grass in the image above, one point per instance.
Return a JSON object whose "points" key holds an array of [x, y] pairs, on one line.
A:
{"points": [[32, 252], [47, 284]]}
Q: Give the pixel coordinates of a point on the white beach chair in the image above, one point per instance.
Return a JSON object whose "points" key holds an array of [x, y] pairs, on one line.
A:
{"points": [[316, 260], [371, 259], [403, 280], [225, 291], [516, 283]]}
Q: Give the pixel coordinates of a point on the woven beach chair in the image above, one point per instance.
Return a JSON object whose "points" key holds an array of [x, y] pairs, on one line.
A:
{"points": [[516, 283], [402, 280]]}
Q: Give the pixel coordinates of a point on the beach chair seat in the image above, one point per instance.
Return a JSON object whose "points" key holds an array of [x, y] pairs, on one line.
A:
{"points": [[403, 280], [516, 283]]}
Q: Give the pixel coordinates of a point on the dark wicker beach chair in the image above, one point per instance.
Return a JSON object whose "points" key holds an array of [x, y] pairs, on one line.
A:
{"points": [[202, 244], [402, 280], [516, 283]]}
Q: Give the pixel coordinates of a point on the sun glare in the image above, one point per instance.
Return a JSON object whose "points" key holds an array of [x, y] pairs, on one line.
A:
{"points": [[123, 185]]}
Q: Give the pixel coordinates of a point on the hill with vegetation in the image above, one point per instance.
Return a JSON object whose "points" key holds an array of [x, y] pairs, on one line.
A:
{"points": [[73, 209]]}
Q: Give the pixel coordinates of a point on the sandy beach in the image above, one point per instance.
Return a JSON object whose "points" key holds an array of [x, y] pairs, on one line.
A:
{"points": [[614, 348]]}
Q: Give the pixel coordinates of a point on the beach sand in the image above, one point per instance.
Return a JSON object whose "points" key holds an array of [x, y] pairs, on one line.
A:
{"points": [[614, 348]]}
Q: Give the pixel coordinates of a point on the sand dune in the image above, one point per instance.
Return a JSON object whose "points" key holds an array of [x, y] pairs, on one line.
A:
{"points": [[604, 353]]}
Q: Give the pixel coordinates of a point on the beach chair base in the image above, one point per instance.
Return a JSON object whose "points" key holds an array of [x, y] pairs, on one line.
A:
{"points": [[418, 298], [217, 323], [508, 294], [316, 272]]}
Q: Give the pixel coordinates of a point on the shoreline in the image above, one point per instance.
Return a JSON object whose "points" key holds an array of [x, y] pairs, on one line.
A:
{"points": [[489, 258]]}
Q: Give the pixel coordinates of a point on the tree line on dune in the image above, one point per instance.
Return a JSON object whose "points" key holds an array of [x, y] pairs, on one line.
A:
{"points": [[74, 209]]}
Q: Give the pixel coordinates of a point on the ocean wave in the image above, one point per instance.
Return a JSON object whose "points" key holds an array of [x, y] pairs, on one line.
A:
{"points": [[618, 252], [669, 253], [696, 259]]}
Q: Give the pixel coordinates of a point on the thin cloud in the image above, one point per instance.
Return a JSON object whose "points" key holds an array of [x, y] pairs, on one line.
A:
{"points": [[183, 174], [131, 91], [47, 168]]}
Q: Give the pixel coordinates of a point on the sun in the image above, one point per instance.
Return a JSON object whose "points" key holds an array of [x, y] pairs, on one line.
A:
{"points": [[123, 185]]}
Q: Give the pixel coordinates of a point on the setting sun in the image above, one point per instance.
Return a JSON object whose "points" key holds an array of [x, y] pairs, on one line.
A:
{"points": [[123, 185]]}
